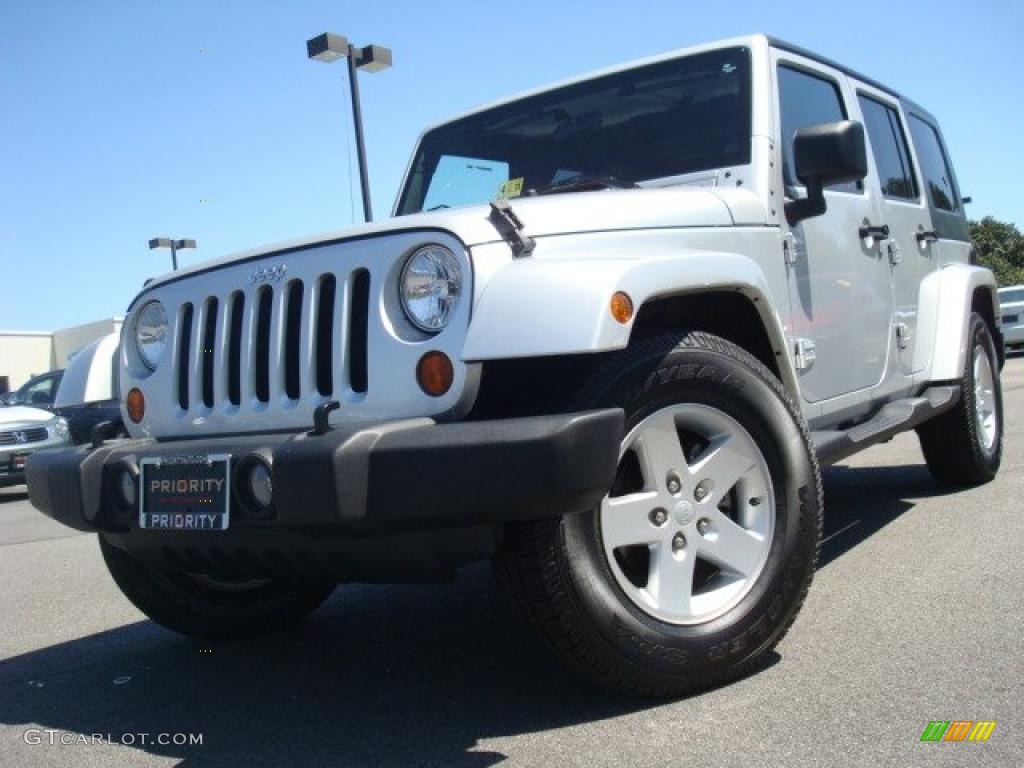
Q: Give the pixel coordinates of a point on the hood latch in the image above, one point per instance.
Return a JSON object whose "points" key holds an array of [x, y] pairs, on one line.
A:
{"points": [[510, 228]]}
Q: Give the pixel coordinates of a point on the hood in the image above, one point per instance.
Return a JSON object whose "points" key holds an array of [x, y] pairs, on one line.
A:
{"points": [[605, 210], [20, 414]]}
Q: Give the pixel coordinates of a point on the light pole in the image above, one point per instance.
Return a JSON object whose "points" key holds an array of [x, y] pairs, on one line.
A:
{"points": [[174, 245], [372, 58]]}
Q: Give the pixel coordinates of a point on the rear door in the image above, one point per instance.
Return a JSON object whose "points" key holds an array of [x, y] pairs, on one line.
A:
{"points": [[838, 284], [903, 210]]}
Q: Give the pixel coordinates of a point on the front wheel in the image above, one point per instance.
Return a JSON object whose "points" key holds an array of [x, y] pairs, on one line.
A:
{"points": [[697, 561], [207, 607]]}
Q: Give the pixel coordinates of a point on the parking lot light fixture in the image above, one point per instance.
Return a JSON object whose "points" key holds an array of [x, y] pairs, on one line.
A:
{"points": [[328, 48]]}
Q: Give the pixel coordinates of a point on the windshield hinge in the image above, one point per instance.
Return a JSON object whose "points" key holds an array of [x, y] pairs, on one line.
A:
{"points": [[510, 228]]}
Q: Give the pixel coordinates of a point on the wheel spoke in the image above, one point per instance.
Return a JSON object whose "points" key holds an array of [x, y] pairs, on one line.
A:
{"points": [[725, 461], [626, 520], [659, 449], [732, 546], [670, 579]]}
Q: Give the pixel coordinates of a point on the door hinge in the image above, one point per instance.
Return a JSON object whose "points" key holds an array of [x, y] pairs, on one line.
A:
{"points": [[804, 354], [789, 254], [902, 335]]}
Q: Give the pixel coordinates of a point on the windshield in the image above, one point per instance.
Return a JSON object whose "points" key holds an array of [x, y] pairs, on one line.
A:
{"points": [[661, 120]]}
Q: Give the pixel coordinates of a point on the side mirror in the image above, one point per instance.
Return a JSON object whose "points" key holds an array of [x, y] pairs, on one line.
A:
{"points": [[829, 153], [40, 398]]}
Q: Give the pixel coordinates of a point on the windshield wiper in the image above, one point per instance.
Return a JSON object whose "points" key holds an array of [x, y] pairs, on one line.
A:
{"points": [[581, 183]]}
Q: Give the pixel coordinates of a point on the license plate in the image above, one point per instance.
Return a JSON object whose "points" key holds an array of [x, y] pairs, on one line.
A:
{"points": [[18, 461], [186, 493]]}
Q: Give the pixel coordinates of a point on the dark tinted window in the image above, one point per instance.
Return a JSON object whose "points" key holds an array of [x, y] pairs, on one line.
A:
{"points": [[889, 146], [670, 118], [807, 100], [1011, 297], [934, 165]]}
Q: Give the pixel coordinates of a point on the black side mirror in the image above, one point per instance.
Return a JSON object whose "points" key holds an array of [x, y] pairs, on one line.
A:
{"points": [[40, 398], [829, 153]]}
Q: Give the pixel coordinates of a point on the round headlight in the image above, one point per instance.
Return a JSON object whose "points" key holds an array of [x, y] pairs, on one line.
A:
{"points": [[430, 289], [151, 333]]}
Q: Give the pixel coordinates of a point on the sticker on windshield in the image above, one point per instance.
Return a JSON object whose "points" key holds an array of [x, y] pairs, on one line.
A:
{"points": [[511, 188]]}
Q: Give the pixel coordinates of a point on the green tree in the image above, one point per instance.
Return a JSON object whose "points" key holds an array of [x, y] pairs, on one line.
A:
{"points": [[1000, 247]]}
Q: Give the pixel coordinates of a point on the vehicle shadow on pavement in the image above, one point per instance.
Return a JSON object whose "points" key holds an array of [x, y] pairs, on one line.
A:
{"points": [[8, 495], [861, 501], [380, 675]]}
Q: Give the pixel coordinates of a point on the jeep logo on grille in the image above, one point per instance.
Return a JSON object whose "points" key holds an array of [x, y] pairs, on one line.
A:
{"points": [[268, 274]]}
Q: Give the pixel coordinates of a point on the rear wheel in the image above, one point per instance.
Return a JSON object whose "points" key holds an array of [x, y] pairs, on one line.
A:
{"points": [[964, 446], [699, 558], [209, 607]]}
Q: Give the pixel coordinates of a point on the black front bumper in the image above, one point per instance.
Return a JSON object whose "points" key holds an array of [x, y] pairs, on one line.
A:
{"points": [[396, 481]]}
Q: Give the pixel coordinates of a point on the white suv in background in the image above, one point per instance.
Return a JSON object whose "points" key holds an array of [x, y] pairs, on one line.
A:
{"points": [[1011, 305]]}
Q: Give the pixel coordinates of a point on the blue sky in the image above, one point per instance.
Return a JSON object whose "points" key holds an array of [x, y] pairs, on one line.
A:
{"points": [[121, 121]]}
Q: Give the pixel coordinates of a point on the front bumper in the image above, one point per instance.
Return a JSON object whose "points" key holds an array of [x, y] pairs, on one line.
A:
{"points": [[338, 492]]}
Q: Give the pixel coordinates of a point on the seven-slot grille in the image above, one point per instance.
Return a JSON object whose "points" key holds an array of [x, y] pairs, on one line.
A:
{"points": [[286, 340], [19, 436]]}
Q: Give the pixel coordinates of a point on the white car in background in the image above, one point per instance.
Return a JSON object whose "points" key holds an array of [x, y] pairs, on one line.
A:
{"points": [[23, 431], [1011, 306]]}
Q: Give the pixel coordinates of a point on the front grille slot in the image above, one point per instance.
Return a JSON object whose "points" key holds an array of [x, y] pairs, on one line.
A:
{"points": [[184, 345], [18, 436], [323, 336], [264, 301], [236, 308], [359, 316], [292, 340], [206, 354]]}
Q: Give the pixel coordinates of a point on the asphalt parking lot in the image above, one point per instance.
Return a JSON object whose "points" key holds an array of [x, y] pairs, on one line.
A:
{"points": [[915, 615]]}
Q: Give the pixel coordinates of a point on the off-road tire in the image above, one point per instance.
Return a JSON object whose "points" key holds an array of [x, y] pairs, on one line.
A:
{"points": [[211, 609], [952, 445], [555, 573]]}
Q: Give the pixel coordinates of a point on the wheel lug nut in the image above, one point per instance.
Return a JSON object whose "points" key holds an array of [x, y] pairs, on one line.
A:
{"points": [[678, 542], [659, 516], [703, 490], [703, 526], [674, 483]]}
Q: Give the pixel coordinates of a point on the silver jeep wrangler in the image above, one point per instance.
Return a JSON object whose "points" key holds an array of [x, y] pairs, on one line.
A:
{"points": [[610, 334]]}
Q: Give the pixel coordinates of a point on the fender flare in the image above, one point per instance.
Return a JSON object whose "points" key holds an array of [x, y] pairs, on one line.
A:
{"points": [[946, 298], [560, 306]]}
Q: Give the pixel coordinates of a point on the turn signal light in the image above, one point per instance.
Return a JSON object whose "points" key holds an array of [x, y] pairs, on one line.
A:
{"points": [[136, 404], [435, 373], [622, 307]]}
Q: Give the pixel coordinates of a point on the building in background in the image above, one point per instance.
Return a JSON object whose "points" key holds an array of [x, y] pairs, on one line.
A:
{"points": [[24, 354]]}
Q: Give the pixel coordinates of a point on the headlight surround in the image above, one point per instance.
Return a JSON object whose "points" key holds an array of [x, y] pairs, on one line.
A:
{"points": [[151, 333], [430, 287], [60, 427]]}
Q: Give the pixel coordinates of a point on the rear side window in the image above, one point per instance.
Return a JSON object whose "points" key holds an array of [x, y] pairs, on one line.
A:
{"points": [[889, 147], [934, 165], [1011, 297], [806, 100]]}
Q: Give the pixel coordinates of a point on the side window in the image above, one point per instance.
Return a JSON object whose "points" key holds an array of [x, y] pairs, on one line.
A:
{"points": [[40, 393], [889, 147], [805, 100], [934, 165]]}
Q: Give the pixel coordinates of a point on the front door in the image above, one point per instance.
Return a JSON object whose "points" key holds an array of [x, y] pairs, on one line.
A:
{"points": [[838, 280]]}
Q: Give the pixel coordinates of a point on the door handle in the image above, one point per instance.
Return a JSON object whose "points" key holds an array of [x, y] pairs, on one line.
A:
{"points": [[928, 236], [874, 232]]}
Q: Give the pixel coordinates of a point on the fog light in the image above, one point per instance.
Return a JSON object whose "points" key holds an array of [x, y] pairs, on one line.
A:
{"points": [[261, 485], [434, 373], [127, 488], [135, 404]]}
